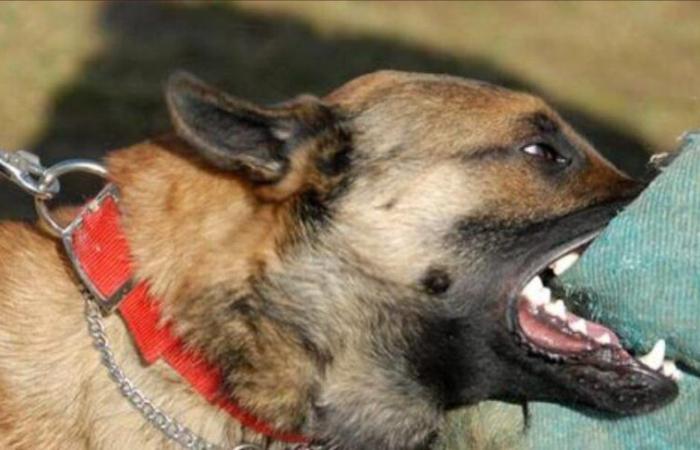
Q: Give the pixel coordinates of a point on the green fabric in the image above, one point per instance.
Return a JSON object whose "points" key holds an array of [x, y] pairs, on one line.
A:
{"points": [[642, 278], [644, 271]]}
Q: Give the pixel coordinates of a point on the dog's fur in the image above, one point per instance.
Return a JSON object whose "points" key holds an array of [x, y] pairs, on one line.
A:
{"points": [[342, 259]]}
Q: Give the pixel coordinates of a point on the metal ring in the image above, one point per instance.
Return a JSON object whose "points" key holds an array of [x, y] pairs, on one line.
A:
{"points": [[51, 175]]}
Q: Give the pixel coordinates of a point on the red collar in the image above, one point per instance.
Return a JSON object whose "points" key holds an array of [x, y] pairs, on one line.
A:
{"points": [[100, 254]]}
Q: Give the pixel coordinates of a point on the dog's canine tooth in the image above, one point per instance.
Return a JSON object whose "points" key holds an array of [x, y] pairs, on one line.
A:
{"points": [[533, 287], [556, 309], [670, 370], [655, 358], [579, 326], [564, 263]]}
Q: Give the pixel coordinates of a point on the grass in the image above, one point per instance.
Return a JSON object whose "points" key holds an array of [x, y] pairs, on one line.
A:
{"points": [[633, 64]]}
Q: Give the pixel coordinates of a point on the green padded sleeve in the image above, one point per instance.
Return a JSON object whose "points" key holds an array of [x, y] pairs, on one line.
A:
{"points": [[641, 277]]}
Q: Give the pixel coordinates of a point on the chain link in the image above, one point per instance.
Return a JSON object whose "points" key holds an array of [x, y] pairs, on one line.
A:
{"points": [[167, 425]]}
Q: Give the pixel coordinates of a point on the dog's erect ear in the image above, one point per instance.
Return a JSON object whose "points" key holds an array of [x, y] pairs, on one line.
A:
{"points": [[233, 134]]}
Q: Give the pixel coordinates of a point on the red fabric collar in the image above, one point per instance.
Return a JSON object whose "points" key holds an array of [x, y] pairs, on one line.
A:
{"points": [[100, 253]]}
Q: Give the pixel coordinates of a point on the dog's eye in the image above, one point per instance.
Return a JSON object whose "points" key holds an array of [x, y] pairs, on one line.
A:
{"points": [[545, 152]]}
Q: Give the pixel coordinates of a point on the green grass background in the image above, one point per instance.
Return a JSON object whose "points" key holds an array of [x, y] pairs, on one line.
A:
{"points": [[77, 79]]}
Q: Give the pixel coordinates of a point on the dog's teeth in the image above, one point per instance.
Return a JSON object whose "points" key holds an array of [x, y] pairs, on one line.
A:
{"points": [[564, 263], [560, 308], [604, 339], [579, 326], [541, 297], [655, 358], [556, 309], [670, 370], [533, 287]]}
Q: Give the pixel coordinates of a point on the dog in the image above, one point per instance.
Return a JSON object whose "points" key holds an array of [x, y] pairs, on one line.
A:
{"points": [[354, 265]]}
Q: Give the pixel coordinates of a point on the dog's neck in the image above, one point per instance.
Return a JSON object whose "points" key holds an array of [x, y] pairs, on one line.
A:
{"points": [[201, 239]]}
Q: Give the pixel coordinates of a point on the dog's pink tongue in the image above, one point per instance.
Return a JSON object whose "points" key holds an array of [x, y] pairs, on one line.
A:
{"points": [[561, 335]]}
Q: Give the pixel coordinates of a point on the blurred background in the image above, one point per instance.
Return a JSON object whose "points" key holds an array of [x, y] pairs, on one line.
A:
{"points": [[78, 79]]}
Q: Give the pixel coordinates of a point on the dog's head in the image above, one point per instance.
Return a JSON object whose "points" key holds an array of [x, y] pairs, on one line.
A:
{"points": [[420, 214]]}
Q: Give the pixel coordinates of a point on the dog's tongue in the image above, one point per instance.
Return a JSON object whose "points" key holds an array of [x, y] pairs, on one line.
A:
{"points": [[557, 330]]}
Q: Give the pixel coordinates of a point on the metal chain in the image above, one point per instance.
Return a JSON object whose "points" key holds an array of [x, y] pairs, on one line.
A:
{"points": [[25, 170], [169, 426]]}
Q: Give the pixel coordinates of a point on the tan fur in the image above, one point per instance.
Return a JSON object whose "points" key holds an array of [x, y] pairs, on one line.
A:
{"points": [[55, 394], [199, 236]]}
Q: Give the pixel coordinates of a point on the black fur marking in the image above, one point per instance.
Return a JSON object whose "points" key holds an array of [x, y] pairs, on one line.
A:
{"points": [[432, 355], [338, 162], [313, 119], [437, 356], [436, 281], [512, 238], [543, 123], [315, 209], [312, 209], [334, 160]]}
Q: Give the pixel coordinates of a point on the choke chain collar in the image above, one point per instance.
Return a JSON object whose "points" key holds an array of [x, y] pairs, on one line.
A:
{"points": [[24, 169]]}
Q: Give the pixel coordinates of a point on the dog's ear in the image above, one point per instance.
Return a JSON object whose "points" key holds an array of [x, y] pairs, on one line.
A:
{"points": [[236, 135]]}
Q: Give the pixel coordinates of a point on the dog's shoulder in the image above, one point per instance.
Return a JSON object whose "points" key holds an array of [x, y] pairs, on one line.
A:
{"points": [[19, 240]]}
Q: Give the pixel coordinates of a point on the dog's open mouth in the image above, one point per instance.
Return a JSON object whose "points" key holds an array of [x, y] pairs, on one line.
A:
{"points": [[604, 373], [551, 329]]}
